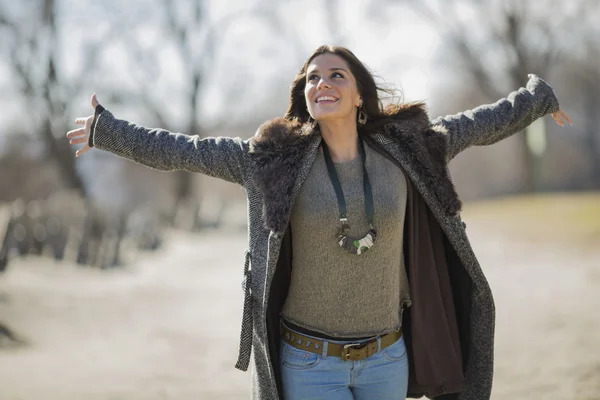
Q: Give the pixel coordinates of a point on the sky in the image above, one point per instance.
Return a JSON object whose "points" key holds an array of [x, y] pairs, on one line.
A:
{"points": [[396, 46], [399, 49], [255, 65]]}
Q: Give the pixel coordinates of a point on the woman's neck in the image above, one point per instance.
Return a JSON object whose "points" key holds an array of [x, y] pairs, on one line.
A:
{"points": [[341, 138]]}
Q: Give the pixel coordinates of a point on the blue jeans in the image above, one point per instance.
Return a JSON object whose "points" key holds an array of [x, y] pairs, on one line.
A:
{"points": [[307, 375]]}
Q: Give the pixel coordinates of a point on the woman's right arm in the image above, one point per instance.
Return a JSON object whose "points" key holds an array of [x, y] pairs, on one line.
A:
{"points": [[224, 158]]}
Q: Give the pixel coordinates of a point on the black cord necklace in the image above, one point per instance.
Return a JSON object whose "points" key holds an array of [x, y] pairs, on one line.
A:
{"points": [[352, 245]]}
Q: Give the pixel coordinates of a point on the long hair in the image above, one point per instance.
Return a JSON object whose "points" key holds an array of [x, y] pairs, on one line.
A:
{"points": [[377, 112]]}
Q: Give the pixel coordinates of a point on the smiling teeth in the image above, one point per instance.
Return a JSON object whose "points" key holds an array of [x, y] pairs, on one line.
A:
{"points": [[326, 98]]}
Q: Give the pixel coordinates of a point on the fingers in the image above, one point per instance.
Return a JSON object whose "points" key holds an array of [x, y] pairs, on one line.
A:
{"points": [[81, 135], [87, 121], [76, 133], [83, 150], [94, 101], [558, 118], [566, 116], [79, 140]]}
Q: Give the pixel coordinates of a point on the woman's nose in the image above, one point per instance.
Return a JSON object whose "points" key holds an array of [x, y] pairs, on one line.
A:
{"points": [[323, 83]]}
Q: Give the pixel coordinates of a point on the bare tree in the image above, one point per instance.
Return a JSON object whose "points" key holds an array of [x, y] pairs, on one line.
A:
{"points": [[32, 48], [589, 81], [182, 32], [498, 43], [331, 12], [196, 37]]}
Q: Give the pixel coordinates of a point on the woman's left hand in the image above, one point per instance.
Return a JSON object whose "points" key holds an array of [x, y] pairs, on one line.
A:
{"points": [[560, 117]]}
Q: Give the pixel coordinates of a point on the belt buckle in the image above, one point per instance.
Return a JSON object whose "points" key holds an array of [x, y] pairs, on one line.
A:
{"points": [[346, 350]]}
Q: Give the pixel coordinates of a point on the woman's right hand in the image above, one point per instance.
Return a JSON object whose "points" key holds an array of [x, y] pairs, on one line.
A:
{"points": [[82, 135]]}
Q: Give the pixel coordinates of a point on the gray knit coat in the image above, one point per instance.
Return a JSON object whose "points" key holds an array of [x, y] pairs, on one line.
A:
{"points": [[269, 206]]}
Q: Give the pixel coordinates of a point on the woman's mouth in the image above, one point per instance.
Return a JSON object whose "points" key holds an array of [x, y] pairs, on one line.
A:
{"points": [[325, 100]]}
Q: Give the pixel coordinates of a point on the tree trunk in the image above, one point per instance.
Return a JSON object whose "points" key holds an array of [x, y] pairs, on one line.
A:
{"points": [[185, 186], [528, 164], [59, 151], [58, 148], [592, 136]]}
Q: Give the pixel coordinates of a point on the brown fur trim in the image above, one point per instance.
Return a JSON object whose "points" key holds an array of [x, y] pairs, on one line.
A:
{"points": [[280, 144], [277, 150]]}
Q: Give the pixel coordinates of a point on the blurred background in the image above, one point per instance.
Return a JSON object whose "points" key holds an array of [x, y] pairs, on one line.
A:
{"points": [[121, 282]]}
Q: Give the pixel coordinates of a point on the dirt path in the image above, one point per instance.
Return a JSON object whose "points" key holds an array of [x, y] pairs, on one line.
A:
{"points": [[166, 328], [548, 319]]}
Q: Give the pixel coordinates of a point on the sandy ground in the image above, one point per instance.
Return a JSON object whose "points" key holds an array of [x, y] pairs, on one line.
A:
{"points": [[167, 326]]}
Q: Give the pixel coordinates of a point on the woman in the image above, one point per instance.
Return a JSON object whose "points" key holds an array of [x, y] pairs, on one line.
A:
{"points": [[353, 219]]}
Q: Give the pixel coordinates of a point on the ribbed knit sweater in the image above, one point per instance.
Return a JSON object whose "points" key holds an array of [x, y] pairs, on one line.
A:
{"points": [[332, 291]]}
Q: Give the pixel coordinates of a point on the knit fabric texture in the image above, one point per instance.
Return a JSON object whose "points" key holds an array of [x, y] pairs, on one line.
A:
{"points": [[230, 159], [333, 291]]}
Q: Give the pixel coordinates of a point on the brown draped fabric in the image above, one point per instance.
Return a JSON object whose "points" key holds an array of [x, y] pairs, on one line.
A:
{"points": [[432, 338]]}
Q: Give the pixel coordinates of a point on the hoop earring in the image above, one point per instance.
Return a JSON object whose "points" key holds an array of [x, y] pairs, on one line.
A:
{"points": [[362, 116]]}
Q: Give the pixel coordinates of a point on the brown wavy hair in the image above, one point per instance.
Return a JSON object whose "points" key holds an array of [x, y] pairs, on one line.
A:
{"points": [[377, 112]]}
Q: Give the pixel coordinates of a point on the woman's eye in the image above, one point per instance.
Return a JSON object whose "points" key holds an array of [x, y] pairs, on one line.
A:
{"points": [[312, 77], [337, 75]]}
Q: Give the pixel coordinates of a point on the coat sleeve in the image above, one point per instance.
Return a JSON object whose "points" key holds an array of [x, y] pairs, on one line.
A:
{"points": [[491, 123], [220, 157]]}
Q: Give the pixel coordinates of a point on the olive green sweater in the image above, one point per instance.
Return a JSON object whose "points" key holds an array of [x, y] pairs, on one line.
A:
{"points": [[335, 292]]}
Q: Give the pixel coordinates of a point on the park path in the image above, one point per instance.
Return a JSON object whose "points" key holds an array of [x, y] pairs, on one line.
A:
{"points": [[167, 326]]}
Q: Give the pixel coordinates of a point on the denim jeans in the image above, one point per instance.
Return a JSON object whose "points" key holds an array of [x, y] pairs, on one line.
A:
{"points": [[307, 375]]}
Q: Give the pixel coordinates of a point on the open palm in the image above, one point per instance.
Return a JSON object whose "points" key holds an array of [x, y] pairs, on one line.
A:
{"points": [[82, 135]]}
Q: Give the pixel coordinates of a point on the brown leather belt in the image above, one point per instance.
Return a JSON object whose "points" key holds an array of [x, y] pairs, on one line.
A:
{"points": [[347, 352]]}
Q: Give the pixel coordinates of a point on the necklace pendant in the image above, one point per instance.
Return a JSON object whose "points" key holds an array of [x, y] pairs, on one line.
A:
{"points": [[352, 245], [356, 245]]}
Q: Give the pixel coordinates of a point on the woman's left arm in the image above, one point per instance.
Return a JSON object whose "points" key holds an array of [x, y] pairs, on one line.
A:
{"points": [[491, 123]]}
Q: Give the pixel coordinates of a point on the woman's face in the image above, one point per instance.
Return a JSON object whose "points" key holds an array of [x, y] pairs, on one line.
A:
{"points": [[331, 91]]}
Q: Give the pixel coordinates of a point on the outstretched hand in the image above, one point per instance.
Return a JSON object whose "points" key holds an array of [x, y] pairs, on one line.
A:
{"points": [[82, 135], [560, 116]]}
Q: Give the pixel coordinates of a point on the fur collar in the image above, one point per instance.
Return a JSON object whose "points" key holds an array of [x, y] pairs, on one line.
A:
{"points": [[283, 152], [277, 133]]}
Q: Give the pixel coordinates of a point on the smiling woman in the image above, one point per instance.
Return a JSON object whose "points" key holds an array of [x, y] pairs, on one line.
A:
{"points": [[338, 175], [331, 94]]}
